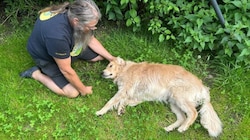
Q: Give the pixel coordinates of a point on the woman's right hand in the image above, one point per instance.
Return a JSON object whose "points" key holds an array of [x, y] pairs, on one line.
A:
{"points": [[87, 90]]}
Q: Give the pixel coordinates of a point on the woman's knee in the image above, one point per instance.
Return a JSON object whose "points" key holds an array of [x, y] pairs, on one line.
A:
{"points": [[72, 94], [70, 91]]}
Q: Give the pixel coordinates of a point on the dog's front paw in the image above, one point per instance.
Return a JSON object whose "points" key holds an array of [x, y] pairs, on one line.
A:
{"points": [[182, 129], [169, 128], [99, 113]]}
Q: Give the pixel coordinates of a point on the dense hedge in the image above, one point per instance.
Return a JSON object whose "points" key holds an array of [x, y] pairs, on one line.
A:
{"points": [[189, 24]]}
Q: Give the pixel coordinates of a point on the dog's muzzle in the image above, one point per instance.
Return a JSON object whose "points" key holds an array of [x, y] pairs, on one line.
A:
{"points": [[106, 75]]}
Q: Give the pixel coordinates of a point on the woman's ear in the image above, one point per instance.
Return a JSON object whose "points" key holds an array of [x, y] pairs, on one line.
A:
{"points": [[75, 21]]}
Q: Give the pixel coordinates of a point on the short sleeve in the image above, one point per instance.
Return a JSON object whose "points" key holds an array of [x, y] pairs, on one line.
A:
{"points": [[58, 48]]}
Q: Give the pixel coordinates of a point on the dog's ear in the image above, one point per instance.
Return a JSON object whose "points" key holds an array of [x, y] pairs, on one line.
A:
{"points": [[120, 61]]}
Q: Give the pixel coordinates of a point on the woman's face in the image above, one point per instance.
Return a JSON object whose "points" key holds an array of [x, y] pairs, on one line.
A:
{"points": [[91, 25], [86, 27]]}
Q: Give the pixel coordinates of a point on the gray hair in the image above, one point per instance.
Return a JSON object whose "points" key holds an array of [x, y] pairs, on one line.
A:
{"points": [[84, 10]]}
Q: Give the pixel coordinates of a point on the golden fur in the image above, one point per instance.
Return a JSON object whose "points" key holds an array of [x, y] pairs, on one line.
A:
{"points": [[139, 82]]}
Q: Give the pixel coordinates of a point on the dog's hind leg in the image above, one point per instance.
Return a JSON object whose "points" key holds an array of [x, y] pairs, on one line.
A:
{"points": [[190, 110], [179, 115], [121, 108], [114, 102]]}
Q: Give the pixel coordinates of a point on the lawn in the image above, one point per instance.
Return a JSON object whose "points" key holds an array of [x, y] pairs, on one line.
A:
{"points": [[31, 111]]}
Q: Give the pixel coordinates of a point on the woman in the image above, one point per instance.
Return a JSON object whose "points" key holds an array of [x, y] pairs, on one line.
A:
{"points": [[61, 35]]}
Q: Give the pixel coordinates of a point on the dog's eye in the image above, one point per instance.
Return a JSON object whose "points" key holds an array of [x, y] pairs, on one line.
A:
{"points": [[110, 66]]}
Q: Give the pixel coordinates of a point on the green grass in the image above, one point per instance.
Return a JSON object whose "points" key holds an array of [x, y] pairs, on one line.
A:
{"points": [[31, 111]]}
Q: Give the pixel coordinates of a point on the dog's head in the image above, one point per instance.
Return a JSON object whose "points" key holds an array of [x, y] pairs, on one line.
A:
{"points": [[113, 68]]}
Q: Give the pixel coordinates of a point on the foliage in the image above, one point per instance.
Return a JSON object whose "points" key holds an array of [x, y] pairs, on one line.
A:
{"points": [[190, 24], [22, 13]]}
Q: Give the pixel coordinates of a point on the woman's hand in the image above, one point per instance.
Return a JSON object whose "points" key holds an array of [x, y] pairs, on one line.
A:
{"points": [[87, 90]]}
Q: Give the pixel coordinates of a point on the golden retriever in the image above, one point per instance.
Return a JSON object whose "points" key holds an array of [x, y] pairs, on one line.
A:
{"points": [[139, 82]]}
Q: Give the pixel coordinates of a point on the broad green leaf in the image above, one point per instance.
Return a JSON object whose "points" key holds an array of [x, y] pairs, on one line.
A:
{"points": [[176, 9], [168, 37], [173, 37], [137, 19], [108, 8], [220, 31], [161, 38], [237, 3], [245, 52], [133, 13], [117, 10], [188, 39], [237, 16], [128, 22], [228, 51], [237, 36], [167, 31], [133, 1], [247, 43], [248, 32], [199, 22], [111, 16], [123, 2], [191, 17]]}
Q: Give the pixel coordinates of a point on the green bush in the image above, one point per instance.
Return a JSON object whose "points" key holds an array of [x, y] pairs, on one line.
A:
{"points": [[23, 13], [188, 24]]}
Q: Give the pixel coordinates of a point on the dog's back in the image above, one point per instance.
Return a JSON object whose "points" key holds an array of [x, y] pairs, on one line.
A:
{"points": [[151, 82]]}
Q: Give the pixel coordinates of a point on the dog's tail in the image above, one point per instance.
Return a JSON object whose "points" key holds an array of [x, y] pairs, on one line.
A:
{"points": [[210, 120]]}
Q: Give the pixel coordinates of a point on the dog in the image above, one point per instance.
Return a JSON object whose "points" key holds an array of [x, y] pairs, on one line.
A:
{"points": [[139, 82]]}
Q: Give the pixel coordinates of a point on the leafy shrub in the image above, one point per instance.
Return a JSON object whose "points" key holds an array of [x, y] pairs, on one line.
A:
{"points": [[235, 38], [23, 13], [190, 24]]}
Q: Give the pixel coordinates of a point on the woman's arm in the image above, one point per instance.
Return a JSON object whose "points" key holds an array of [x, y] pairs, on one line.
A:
{"points": [[70, 74], [96, 46]]}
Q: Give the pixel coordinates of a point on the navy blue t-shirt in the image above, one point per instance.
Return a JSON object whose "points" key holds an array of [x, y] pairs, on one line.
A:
{"points": [[50, 38]]}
